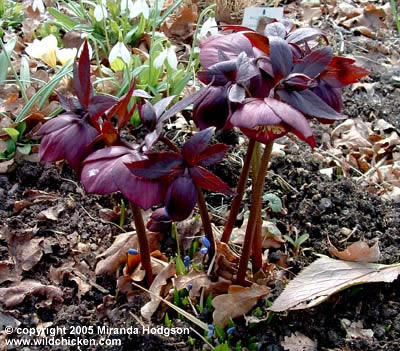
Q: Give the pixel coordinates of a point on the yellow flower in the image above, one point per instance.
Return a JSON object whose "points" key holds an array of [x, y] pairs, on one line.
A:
{"points": [[44, 50]]}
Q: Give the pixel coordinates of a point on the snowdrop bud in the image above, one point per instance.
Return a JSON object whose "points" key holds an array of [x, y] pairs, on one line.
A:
{"points": [[172, 59], [100, 12], [209, 26]]}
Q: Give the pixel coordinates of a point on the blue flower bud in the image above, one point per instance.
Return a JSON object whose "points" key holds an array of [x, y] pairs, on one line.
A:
{"points": [[186, 261], [203, 250], [133, 252], [205, 242], [231, 330], [189, 287]]}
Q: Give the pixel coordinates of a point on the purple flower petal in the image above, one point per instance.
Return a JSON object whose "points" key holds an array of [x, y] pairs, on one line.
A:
{"points": [[209, 181], [196, 145], [181, 198]]}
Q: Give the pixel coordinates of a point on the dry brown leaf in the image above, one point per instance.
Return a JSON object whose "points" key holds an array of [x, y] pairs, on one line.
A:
{"points": [[7, 273], [299, 342], [358, 252], [156, 287], [356, 330], [237, 302], [51, 213], [197, 280], [327, 276], [15, 294], [67, 270], [181, 24], [7, 166], [115, 255]]}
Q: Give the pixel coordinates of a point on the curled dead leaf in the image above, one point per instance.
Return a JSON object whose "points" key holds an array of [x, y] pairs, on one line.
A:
{"points": [[156, 288], [327, 276], [115, 255], [15, 294], [299, 342], [358, 252], [237, 302]]}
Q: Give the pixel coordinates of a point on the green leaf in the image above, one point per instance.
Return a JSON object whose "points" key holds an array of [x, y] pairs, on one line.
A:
{"points": [[11, 146], [24, 72], [167, 321], [25, 149], [180, 267], [222, 347], [9, 47], [275, 203], [44, 92], [64, 20], [302, 239], [21, 128], [289, 239], [13, 133], [219, 332]]}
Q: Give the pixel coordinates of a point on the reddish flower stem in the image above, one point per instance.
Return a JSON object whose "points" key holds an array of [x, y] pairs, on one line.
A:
{"points": [[254, 213], [256, 249], [205, 218], [143, 244], [240, 189]]}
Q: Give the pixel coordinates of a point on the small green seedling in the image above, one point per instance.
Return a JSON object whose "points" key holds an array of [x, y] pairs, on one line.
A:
{"points": [[297, 242]]}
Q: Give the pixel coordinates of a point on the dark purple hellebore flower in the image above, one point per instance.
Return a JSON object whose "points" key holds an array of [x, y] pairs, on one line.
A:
{"points": [[183, 173], [104, 172], [71, 135]]}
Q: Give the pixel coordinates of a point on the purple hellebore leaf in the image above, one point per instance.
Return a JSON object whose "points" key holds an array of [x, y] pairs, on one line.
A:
{"points": [[69, 104], [281, 57], [158, 165], [230, 44], [161, 106], [66, 136], [332, 96], [314, 63], [104, 172], [181, 198], [212, 154], [182, 104], [209, 181], [213, 109], [99, 104], [309, 103], [82, 85], [196, 145]]}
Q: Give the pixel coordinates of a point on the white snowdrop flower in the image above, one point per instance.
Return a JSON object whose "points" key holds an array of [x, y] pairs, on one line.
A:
{"points": [[120, 51], [100, 11], [138, 7], [125, 6], [38, 5], [209, 26], [159, 61], [66, 55], [44, 50], [172, 59]]}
